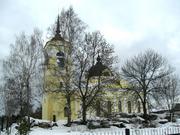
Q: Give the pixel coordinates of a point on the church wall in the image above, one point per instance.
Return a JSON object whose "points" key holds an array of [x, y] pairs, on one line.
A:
{"points": [[54, 101], [114, 97]]}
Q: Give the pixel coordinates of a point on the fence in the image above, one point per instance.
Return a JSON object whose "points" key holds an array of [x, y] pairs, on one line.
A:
{"points": [[155, 131], [145, 131]]}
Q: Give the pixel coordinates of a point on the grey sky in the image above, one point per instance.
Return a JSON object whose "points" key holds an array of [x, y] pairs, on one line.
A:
{"points": [[131, 25]]}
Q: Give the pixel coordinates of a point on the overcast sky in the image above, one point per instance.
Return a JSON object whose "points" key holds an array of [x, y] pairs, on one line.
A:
{"points": [[131, 25]]}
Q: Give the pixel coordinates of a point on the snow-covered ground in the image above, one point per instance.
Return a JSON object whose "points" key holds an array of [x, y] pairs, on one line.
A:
{"points": [[62, 130], [83, 130]]}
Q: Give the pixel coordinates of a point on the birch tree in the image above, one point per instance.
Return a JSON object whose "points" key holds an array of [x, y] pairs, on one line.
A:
{"points": [[22, 69]]}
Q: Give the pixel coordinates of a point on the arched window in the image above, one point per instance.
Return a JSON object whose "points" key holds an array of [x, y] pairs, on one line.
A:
{"points": [[98, 108], [54, 118], [65, 111], [139, 107], [61, 84], [109, 107], [129, 106], [120, 106], [60, 59], [46, 58]]}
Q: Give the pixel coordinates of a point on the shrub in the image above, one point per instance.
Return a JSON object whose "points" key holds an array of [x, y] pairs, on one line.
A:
{"points": [[23, 127]]}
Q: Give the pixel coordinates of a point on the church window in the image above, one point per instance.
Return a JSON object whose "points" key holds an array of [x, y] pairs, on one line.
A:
{"points": [[60, 59], [98, 109], [65, 111], [54, 118], [61, 84], [120, 106], [46, 58], [109, 107], [129, 106], [139, 107]]}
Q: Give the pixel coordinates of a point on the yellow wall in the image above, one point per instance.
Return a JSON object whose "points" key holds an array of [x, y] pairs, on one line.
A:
{"points": [[124, 97], [54, 100], [54, 103]]}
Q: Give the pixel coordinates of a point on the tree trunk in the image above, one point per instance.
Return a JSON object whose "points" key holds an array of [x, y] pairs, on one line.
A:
{"points": [[144, 102], [2, 123], [84, 109], [7, 122], [171, 115], [28, 103], [145, 111], [21, 102], [69, 111]]}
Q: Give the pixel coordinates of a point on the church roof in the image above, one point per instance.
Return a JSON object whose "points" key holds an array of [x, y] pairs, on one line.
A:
{"points": [[57, 37], [98, 68]]}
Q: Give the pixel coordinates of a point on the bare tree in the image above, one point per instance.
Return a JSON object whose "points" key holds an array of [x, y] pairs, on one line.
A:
{"points": [[72, 29], [85, 48], [22, 67], [142, 71], [167, 93], [86, 55], [12, 97], [2, 105]]}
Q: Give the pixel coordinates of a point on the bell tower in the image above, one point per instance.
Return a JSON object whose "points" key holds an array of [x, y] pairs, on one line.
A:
{"points": [[57, 60]]}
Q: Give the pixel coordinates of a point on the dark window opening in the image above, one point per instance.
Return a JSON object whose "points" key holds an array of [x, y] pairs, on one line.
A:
{"points": [[60, 59], [54, 118], [120, 106], [61, 84], [65, 111], [139, 107], [98, 108], [109, 107], [46, 58], [129, 106]]}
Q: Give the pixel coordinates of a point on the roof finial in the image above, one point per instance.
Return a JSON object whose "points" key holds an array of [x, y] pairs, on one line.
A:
{"points": [[58, 32], [58, 27]]}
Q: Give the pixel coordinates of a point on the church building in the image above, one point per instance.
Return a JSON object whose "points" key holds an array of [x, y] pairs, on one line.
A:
{"points": [[54, 107]]}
